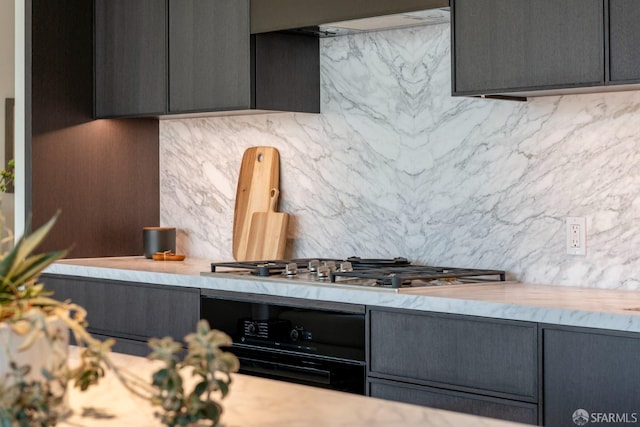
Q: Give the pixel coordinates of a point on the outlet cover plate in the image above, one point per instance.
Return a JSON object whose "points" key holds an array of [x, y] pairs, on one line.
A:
{"points": [[576, 235]]}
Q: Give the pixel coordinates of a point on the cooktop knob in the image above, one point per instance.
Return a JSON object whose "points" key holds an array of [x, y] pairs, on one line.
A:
{"points": [[345, 267], [331, 265], [291, 269], [313, 266], [323, 271]]}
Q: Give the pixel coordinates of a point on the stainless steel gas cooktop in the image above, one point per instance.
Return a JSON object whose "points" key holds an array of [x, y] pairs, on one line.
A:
{"points": [[394, 274]]}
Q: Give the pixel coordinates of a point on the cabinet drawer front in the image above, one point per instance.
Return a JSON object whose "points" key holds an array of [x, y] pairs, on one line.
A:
{"points": [[459, 351], [132, 310], [456, 401], [594, 371], [126, 346]]}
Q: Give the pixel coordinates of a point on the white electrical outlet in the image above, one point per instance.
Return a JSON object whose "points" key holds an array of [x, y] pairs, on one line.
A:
{"points": [[576, 235]]}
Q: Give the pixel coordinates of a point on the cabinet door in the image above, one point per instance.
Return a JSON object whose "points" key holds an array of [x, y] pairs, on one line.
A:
{"points": [[287, 72], [130, 57], [455, 401], [624, 41], [593, 371], [502, 46], [130, 310], [497, 358], [209, 51]]}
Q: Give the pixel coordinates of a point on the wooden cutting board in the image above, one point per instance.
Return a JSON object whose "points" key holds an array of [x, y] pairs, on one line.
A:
{"points": [[268, 232], [259, 173]]}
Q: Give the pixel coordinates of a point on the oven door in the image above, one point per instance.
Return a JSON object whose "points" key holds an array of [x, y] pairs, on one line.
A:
{"points": [[278, 339], [315, 371]]}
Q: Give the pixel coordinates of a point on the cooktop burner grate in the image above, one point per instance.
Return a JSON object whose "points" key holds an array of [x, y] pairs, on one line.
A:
{"points": [[403, 276], [275, 267], [267, 268], [391, 273]]}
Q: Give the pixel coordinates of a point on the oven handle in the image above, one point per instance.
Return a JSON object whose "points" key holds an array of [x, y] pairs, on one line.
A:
{"points": [[283, 370]]}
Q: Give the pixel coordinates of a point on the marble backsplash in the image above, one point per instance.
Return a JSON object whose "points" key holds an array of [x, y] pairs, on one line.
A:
{"points": [[395, 166]]}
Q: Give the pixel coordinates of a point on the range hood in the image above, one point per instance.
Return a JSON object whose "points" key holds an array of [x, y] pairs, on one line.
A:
{"points": [[328, 18]]}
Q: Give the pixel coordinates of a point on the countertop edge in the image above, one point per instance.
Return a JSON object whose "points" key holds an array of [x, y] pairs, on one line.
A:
{"points": [[186, 275]]}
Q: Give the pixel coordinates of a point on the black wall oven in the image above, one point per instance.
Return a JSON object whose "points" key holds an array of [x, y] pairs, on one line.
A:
{"points": [[308, 342]]}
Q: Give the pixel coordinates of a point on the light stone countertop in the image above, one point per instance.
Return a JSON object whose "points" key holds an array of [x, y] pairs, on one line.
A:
{"points": [[259, 402], [562, 305]]}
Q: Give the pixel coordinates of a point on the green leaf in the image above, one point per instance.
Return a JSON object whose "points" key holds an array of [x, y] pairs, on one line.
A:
{"points": [[17, 269], [160, 376], [200, 388], [27, 244], [33, 266], [223, 386], [33, 240], [213, 410]]}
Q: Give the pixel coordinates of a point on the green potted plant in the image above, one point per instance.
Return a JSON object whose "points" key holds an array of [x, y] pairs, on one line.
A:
{"points": [[34, 329], [209, 366], [7, 176], [34, 368]]}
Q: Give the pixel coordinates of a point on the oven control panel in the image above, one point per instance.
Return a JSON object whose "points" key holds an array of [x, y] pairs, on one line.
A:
{"points": [[273, 329]]}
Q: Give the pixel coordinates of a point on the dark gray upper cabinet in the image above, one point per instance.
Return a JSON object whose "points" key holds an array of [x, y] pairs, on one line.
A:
{"points": [[197, 56], [209, 55], [130, 57], [624, 41], [286, 72], [501, 46]]}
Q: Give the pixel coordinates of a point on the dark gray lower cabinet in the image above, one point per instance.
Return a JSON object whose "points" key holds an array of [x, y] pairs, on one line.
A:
{"points": [[126, 346], [596, 371], [130, 312], [455, 401], [462, 363]]}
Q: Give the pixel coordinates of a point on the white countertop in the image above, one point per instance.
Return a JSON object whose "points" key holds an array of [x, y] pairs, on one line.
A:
{"points": [[258, 402], [562, 305]]}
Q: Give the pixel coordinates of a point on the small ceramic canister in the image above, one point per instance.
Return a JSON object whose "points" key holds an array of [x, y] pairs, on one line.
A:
{"points": [[158, 239]]}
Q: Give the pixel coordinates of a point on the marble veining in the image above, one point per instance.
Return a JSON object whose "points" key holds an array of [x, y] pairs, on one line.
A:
{"points": [[395, 166]]}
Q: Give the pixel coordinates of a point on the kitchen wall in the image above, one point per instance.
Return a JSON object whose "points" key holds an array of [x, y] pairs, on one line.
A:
{"points": [[394, 166], [102, 175]]}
